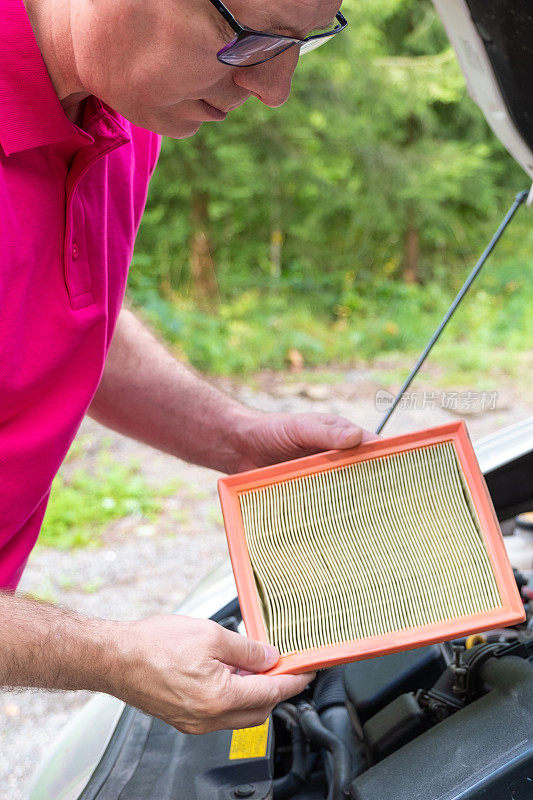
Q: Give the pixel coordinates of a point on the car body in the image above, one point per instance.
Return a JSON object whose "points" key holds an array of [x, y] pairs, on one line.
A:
{"points": [[85, 762]]}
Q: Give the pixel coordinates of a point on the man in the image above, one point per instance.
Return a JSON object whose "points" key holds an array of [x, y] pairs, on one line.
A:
{"points": [[86, 88]]}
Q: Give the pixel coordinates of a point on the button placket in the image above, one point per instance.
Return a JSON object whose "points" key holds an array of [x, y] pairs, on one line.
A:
{"points": [[77, 269]]}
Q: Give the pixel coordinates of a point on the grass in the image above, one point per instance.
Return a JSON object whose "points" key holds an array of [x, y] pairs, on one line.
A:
{"points": [[358, 325], [83, 502]]}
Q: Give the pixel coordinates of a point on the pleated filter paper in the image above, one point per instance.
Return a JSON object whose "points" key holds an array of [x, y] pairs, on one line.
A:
{"points": [[378, 554]]}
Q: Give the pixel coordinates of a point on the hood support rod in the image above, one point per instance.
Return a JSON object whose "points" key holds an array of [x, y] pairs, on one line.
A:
{"points": [[519, 199]]}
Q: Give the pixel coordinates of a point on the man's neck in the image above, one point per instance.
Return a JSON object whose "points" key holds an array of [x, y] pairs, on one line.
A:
{"points": [[73, 106], [50, 20]]}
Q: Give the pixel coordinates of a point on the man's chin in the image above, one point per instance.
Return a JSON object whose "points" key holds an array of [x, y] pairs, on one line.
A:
{"points": [[183, 130], [173, 128], [176, 129]]}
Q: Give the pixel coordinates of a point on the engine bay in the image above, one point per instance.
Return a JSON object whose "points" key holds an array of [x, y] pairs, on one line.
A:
{"points": [[447, 721], [452, 720]]}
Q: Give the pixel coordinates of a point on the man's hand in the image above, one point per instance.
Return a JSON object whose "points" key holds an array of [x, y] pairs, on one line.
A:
{"points": [[263, 439], [183, 671], [180, 669]]}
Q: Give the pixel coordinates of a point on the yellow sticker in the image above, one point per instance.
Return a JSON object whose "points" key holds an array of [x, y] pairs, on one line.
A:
{"points": [[249, 742]]}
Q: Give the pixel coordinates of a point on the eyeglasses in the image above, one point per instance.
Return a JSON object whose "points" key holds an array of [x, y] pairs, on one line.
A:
{"points": [[250, 47]]}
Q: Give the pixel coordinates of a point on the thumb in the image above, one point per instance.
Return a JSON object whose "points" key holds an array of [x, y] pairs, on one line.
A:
{"points": [[315, 432], [238, 651], [341, 434]]}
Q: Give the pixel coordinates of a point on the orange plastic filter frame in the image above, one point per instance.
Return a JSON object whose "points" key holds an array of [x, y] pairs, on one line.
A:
{"points": [[511, 611]]}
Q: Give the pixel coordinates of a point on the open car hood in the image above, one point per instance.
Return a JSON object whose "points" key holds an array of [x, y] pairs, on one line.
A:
{"points": [[493, 41]]}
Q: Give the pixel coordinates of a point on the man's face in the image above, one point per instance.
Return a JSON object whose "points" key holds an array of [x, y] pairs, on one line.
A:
{"points": [[154, 61]]}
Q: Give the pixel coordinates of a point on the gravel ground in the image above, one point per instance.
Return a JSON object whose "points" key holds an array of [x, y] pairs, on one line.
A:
{"points": [[143, 569]]}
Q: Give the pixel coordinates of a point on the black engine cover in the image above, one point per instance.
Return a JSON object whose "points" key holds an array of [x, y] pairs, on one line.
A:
{"points": [[149, 760], [373, 683], [483, 752]]}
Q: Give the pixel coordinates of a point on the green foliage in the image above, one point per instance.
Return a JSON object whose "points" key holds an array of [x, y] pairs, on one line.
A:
{"points": [[379, 141], [378, 136], [256, 330], [83, 503]]}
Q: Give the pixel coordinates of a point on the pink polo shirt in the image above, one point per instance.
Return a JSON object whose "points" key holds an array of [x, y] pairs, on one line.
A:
{"points": [[71, 200]]}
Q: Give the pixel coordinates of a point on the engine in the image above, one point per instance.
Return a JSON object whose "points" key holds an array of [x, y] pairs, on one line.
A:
{"points": [[450, 721], [436, 723]]}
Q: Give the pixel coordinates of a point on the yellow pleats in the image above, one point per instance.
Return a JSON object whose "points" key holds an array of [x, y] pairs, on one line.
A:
{"points": [[367, 549]]}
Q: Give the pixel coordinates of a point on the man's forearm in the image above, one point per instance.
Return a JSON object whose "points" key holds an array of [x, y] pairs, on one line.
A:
{"points": [[175, 668], [147, 394], [46, 647]]}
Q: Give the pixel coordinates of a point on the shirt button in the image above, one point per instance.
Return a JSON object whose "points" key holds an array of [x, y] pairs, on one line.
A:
{"points": [[75, 251]]}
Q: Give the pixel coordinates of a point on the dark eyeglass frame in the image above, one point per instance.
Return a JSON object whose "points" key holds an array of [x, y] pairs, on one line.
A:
{"points": [[243, 32]]}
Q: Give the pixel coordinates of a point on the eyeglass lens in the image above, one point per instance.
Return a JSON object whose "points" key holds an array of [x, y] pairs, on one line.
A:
{"points": [[253, 49]]}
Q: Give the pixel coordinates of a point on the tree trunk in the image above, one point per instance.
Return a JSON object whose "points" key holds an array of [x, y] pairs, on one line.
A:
{"points": [[411, 255], [276, 222], [411, 247], [276, 242], [204, 286]]}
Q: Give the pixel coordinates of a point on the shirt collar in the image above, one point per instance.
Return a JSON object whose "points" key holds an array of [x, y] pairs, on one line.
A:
{"points": [[30, 112]]}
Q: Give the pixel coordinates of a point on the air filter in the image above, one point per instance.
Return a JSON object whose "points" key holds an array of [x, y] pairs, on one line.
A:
{"points": [[357, 553]]}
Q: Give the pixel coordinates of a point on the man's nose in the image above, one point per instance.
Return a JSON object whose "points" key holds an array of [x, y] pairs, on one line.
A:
{"points": [[270, 82]]}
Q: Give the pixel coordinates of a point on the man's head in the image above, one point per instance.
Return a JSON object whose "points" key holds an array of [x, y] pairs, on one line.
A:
{"points": [[154, 61]]}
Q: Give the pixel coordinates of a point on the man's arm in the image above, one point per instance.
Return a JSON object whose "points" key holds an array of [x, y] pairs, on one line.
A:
{"points": [[179, 669], [149, 395]]}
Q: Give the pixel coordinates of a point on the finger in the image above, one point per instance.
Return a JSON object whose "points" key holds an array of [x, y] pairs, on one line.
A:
{"points": [[236, 720], [348, 429], [314, 433], [265, 691], [235, 650], [233, 670], [330, 419], [369, 436]]}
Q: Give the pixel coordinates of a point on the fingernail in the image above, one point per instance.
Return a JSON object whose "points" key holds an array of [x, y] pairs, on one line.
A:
{"points": [[271, 654], [349, 433]]}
